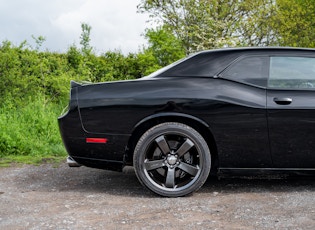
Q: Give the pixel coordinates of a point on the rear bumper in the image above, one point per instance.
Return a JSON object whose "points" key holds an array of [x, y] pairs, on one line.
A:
{"points": [[109, 154]]}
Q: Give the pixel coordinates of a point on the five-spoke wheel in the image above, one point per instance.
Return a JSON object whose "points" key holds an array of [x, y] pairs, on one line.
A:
{"points": [[172, 159]]}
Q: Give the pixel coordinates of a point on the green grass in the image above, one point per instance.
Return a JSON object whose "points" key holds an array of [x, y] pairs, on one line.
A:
{"points": [[29, 133], [37, 160]]}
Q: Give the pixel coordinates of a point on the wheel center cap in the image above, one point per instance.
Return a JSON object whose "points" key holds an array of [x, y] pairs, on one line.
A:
{"points": [[172, 160]]}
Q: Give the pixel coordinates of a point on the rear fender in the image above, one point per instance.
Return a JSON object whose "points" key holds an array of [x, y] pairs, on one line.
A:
{"points": [[202, 127]]}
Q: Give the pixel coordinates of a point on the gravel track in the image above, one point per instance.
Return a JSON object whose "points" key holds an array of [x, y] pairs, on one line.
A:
{"points": [[48, 197]]}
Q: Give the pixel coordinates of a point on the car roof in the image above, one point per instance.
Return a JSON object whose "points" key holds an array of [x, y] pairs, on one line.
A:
{"points": [[269, 48], [211, 62]]}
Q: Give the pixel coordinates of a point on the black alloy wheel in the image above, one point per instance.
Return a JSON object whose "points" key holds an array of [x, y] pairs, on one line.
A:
{"points": [[172, 159]]}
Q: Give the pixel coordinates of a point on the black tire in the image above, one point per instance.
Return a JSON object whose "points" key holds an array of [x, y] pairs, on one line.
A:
{"points": [[172, 159]]}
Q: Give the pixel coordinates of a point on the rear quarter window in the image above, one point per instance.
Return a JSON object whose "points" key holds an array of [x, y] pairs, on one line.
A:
{"points": [[252, 70], [201, 65]]}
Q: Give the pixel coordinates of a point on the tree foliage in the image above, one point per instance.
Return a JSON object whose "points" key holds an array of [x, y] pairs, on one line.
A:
{"points": [[206, 24], [294, 23], [85, 38], [164, 46]]}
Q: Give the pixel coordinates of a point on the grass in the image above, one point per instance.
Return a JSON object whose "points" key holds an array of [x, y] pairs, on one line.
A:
{"points": [[29, 132], [38, 160]]}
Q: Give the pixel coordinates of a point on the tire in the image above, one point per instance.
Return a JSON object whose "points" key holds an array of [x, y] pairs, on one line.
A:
{"points": [[172, 159]]}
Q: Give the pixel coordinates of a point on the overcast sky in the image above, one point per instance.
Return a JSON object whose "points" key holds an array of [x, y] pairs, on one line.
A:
{"points": [[116, 25]]}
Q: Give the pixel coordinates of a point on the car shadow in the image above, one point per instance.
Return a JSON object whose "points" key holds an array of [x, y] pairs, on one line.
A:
{"points": [[127, 184], [259, 184], [88, 180]]}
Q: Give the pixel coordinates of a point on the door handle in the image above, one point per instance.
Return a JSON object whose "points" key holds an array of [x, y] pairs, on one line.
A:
{"points": [[282, 101]]}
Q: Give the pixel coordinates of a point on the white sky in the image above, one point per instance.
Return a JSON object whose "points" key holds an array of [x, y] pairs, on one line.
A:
{"points": [[116, 25]]}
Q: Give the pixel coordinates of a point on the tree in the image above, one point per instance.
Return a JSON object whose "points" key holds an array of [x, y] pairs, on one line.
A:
{"points": [[39, 41], [204, 24], [85, 38], [164, 46], [294, 23], [256, 23]]}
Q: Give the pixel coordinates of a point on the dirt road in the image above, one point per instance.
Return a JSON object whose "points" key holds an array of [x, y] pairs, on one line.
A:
{"points": [[48, 197]]}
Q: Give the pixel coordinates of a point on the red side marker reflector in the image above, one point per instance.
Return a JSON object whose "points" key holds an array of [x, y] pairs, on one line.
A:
{"points": [[96, 140]]}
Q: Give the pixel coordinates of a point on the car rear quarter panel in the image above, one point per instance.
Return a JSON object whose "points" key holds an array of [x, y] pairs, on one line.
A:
{"points": [[235, 113], [106, 156]]}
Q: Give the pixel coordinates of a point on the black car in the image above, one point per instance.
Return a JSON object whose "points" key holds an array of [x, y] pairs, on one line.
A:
{"points": [[225, 111]]}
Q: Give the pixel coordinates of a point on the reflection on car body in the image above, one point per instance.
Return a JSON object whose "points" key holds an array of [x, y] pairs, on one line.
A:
{"points": [[224, 111]]}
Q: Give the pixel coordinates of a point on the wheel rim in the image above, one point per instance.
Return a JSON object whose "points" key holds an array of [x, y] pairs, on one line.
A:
{"points": [[172, 162]]}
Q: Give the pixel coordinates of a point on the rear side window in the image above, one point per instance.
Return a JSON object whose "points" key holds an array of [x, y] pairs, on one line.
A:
{"points": [[249, 70], [292, 73], [200, 65]]}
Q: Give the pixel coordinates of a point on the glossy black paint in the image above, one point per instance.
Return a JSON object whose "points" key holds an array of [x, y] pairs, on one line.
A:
{"points": [[247, 126], [292, 128]]}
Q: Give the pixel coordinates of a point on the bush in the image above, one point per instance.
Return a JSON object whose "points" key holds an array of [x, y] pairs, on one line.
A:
{"points": [[34, 87], [30, 130]]}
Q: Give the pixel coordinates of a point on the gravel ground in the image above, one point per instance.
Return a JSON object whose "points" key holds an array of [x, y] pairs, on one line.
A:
{"points": [[48, 197]]}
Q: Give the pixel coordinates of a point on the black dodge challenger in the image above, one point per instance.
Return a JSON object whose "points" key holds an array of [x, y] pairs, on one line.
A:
{"points": [[225, 111]]}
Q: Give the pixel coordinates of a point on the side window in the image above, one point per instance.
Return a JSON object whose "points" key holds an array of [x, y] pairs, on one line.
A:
{"points": [[251, 70], [292, 73]]}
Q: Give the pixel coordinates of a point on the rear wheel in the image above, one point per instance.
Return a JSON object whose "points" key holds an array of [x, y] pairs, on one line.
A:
{"points": [[172, 159]]}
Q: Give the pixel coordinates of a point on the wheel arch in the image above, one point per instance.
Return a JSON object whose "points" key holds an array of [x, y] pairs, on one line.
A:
{"points": [[199, 125]]}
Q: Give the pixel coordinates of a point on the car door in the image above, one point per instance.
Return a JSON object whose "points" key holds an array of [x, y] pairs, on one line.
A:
{"points": [[243, 138], [291, 111]]}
